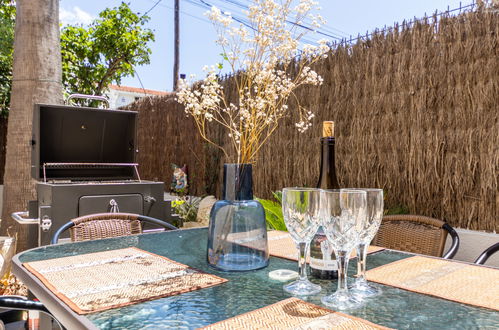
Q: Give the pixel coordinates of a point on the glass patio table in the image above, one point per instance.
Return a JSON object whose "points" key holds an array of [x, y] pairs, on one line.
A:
{"points": [[244, 291]]}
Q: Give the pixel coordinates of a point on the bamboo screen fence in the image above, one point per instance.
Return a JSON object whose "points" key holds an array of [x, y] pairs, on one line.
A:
{"points": [[416, 112]]}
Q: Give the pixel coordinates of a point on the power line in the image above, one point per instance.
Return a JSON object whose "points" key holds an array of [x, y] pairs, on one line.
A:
{"points": [[206, 5], [184, 13], [332, 30], [322, 30], [235, 18], [314, 30], [140, 81], [196, 17], [461, 8], [154, 6], [246, 23]]}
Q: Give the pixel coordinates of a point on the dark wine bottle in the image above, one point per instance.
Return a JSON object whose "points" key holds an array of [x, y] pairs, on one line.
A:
{"points": [[322, 259], [327, 174]]}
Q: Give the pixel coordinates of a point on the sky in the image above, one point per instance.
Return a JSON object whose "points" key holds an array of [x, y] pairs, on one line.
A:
{"points": [[197, 35]]}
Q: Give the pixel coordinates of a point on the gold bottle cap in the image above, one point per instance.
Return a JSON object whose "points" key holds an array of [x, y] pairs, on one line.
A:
{"points": [[328, 129]]}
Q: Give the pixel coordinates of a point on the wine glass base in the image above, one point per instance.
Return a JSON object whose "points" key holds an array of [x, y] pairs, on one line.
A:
{"points": [[302, 288], [342, 301], [364, 290]]}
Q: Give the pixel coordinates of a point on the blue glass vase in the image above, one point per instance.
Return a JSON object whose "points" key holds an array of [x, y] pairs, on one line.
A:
{"points": [[237, 235]]}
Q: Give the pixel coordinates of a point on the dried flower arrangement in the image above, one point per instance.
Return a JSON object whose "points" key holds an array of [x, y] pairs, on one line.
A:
{"points": [[264, 54]]}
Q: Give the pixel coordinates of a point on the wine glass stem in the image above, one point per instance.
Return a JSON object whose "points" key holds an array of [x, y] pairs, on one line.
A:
{"points": [[361, 261], [342, 258], [303, 247]]}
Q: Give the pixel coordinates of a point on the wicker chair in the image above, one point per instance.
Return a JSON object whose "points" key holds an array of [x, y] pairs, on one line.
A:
{"points": [[417, 234], [486, 254], [105, 225]]}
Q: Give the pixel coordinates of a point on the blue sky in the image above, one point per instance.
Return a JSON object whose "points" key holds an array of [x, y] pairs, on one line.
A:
{"points": [[197, 47]]}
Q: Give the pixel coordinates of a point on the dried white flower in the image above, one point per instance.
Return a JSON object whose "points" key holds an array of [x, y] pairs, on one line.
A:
{"points": [[264, 53]]}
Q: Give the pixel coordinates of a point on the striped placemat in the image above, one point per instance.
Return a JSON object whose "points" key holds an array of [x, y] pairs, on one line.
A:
{"points": [[293, 313], [98, 281], [451, 280], [281, 245]]}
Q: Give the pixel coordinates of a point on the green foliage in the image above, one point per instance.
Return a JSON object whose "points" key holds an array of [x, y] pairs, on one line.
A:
{"points": [[105, 52], [393, 209], [397, 209], [92, 58], [7, 21], [273, 212], [275, 219], [186, 208], [278, 196], [220, 65]]}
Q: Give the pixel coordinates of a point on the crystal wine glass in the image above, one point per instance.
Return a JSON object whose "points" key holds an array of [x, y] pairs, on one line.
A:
{"points": [[343, 218], [360, 287], [301, 207]]}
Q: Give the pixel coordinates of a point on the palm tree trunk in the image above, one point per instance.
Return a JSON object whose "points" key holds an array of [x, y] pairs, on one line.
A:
{"points": [[36, 79]]}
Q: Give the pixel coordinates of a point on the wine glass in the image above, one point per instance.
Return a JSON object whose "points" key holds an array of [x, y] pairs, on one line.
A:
{"points": [[301, 207], [343, 218], [360, 287]]}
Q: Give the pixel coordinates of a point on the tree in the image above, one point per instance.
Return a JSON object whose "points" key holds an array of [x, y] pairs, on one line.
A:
{"points": [[106, 52], [93, 58], [7, 19], [36, 78]]}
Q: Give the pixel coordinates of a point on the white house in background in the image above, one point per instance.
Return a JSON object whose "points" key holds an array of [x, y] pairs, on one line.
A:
{"points": [[120, 96]]}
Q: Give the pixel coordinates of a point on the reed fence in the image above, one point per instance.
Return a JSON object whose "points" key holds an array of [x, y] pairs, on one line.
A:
{"points": [[416, 112]]}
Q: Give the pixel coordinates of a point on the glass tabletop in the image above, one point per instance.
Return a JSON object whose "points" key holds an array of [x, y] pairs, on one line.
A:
{"points": [[247, 291]]}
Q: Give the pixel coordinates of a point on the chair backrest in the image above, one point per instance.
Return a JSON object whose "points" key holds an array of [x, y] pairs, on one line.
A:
{"points": [[482, 258], [417, 234], [106, 225]]}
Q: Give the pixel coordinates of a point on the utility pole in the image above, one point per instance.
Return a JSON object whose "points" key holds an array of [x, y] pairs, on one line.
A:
{"points": [[176, 47]]}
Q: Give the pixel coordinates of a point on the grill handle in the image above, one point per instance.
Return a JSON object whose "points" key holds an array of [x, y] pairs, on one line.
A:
{"points": [[22, 218], [88, 97]]}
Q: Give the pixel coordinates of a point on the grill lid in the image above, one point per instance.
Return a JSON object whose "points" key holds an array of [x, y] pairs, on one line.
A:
{"points": [[79, 143]]}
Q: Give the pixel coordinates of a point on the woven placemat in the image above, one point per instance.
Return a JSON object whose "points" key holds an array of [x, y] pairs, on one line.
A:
{"points": [[451, 280], [98, 281], [281, 245], [293, 313]]}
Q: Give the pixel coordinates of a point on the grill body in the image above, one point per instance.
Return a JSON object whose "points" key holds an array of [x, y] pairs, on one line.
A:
{"points": [[84, 162], [61, 202]]}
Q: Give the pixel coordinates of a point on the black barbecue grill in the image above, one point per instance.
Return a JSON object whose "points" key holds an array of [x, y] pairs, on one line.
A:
{"points": [[84, 161]]}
